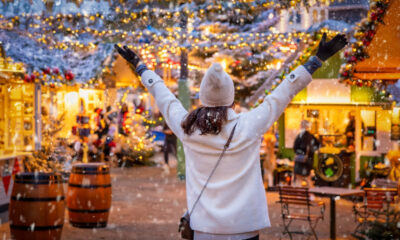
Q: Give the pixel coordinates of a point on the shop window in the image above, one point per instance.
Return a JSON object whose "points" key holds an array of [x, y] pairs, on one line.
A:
{"points": [[315, 16], [395, 127], [322, 15], [294, 17], [368, 130]]}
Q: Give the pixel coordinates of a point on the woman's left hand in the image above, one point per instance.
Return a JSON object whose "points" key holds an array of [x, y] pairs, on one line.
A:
{"points": [[328, 49]]}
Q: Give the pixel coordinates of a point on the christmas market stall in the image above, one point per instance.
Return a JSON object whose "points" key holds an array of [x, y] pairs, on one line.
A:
{"points": [[17, 122], [356, 122]]}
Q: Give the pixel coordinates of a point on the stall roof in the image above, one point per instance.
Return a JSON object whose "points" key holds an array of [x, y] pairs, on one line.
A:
{"points": [[85, 65], [384, 50], [331, 25]]}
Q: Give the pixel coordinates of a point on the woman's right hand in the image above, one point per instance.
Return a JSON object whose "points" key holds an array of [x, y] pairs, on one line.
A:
{"points": [[129, 55]]}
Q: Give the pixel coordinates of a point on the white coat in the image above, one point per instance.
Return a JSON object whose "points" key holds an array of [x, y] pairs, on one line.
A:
{"points": [[234, 200]]}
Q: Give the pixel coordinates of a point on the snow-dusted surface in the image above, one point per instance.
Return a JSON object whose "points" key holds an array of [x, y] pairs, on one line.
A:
{"points": [[147, 203]]}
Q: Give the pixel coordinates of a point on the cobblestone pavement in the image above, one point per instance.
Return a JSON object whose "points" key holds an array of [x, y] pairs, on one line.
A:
{"points": [[148, 201]]}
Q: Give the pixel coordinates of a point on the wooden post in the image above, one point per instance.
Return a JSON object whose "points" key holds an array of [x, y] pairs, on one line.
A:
{"points": [[38, 116], [357, 141], [184, 93]]}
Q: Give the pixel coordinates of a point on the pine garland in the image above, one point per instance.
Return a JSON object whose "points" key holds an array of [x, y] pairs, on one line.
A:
{"points": [[364, 34]]}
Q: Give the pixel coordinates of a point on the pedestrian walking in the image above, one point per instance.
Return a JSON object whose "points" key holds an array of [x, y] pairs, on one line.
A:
{"points": [[169, 143], [269, 163], [304, 147], [226, 200]]}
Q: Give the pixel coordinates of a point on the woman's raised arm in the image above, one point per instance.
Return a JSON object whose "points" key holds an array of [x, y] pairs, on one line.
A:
{"points": [[260, 119], [170, 107]]}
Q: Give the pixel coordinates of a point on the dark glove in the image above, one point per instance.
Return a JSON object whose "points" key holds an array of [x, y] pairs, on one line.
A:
{"points": [[128, 54], [328, 49]]}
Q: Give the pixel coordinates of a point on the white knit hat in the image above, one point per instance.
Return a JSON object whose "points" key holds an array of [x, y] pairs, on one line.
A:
{"points": [[216, 88]]}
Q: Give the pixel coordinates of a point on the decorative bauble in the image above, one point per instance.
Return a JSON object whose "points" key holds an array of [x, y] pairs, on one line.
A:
{"points": [[358, 34], [46, 70], [33, 77], [27, 78], [374, 16], [353, 58], [348, 67], [56, 71], [366, 42], [68, 77], [370, 33]]}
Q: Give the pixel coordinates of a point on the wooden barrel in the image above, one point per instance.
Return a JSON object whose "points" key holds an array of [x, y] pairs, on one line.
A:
{"points": [[36, 209], [89, 195]]}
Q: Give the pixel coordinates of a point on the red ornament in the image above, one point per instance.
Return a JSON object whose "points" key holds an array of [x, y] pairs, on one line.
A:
{"points": [[33, 77], [27, 78], [345, 74], [380, 10], [374, 16], [56, 71], [46, 71], [366, 42], [370, 33], [353, 59], [112, 144]]}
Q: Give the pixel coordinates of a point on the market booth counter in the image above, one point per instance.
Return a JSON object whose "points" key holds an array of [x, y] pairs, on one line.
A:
{"points": [[350, 124], [17, 124]]}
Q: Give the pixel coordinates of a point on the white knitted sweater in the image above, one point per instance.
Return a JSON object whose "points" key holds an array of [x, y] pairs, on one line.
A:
{"points": [[234, 200]]}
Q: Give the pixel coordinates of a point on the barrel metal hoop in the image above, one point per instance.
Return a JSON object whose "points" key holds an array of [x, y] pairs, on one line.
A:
{"points": [[51, 182], [27, 199], [88, 225], [89, 210], [89, 186], [89, 172], [36, 228]]}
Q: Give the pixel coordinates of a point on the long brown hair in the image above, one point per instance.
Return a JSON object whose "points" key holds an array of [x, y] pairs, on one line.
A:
{"points": [[209, 120]]}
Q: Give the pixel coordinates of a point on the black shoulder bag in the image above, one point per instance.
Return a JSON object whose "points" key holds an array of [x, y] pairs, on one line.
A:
{"points": [[184, 226]]}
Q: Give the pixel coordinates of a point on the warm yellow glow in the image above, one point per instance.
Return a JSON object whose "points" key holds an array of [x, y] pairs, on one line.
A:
{"points": [[71, 99], [223, 63]]}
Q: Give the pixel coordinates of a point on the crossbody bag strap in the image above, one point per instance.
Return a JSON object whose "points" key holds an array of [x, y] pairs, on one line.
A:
{"points": [[215, 167]]}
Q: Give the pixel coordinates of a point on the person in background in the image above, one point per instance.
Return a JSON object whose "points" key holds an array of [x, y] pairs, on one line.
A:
{"points": [[305, 144], [269, 163], [233, 205], [169, 143]]}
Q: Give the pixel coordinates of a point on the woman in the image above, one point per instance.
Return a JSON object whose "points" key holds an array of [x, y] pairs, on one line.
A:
{"points": [[304, 144], [234, 205]]}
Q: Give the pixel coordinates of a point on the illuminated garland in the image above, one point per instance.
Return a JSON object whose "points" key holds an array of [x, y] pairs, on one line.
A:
{"points": [[364, 34], [311, 41]]}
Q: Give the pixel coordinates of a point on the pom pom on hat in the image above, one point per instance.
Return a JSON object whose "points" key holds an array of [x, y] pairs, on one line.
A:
{"points": [[216, 88]]}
